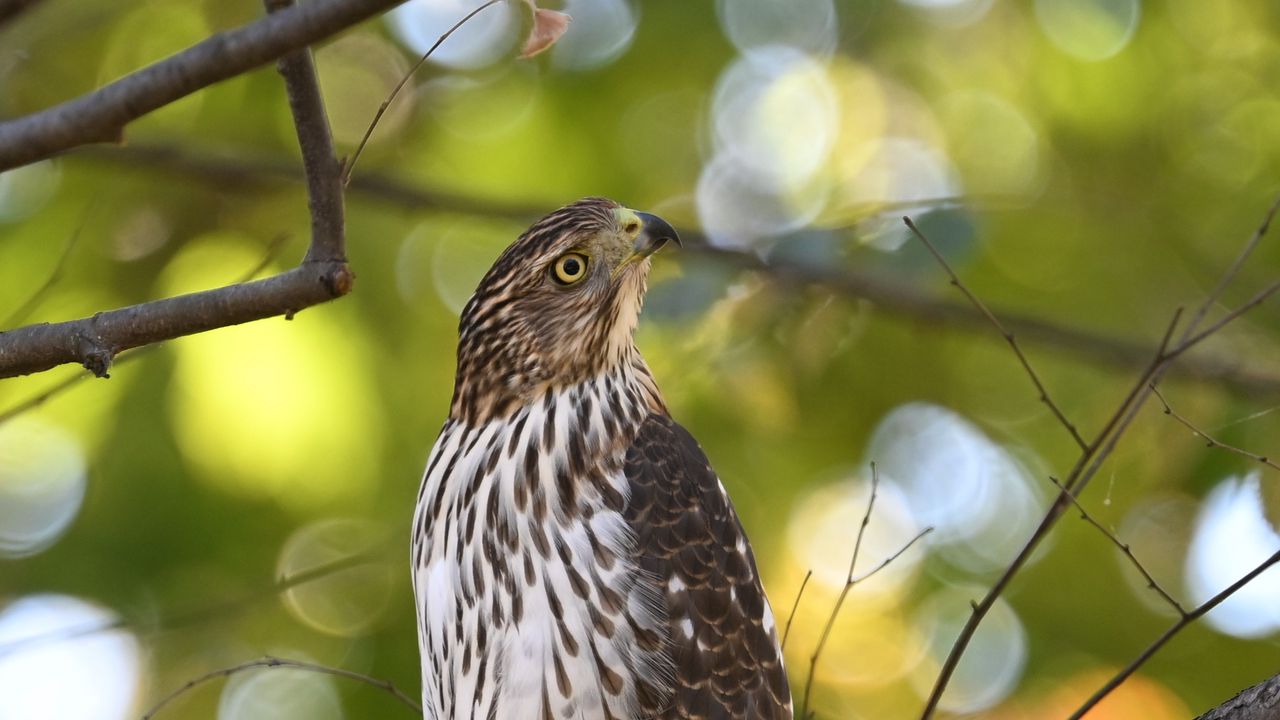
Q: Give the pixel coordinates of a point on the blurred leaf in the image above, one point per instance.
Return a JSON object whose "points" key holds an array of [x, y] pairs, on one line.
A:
{"points": [[548, 27]]}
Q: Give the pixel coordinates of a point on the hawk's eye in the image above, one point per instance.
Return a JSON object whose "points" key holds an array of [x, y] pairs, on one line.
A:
{"points": [[569, 268]]}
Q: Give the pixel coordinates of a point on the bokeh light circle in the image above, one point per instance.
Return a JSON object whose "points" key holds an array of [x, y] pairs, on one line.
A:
{"points": [[994, 661], [977, 497], [1089, 30], [808, 25], [735, 212], [775, 112], [824, 526], [280, 694], [1231, 538], [91, 677], [357, 73], [953, 13], [993, 144], [42, 484], [482, 40], [347, 602], [279, 410], [26, 189], [601, 32]]}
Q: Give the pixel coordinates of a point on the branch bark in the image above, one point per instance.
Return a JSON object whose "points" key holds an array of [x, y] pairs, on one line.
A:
{"points": [[101, 115], [323, 275], [1260, 702]]}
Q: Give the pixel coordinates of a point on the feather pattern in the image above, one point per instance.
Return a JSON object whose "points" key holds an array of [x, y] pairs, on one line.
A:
{"points": [[573, 553]]}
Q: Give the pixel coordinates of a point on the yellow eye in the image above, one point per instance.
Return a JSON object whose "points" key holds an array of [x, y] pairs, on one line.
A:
{"points": [[569, 268]]}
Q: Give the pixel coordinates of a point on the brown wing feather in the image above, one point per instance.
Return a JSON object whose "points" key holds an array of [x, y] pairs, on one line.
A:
{"points": [[727, 661]]}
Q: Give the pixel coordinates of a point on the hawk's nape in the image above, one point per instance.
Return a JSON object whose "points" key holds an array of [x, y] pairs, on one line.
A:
{"points": [[574, 554]]}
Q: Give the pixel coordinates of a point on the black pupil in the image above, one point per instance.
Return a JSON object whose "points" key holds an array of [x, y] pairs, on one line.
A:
{"points": [[571, 267]]}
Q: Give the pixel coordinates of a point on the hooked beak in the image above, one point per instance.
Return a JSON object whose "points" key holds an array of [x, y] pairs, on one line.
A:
{"points": [[654, 234]]}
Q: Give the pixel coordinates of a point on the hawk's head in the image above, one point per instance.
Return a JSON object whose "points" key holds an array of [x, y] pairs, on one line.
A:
{"points": [[557, 307]]}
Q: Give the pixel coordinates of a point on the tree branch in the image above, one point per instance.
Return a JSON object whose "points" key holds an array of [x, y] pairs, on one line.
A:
{"points": [[888, 295], [101, 115], [320, 163], [1210, 440], [1008, 337], [323, 275], [1124, 548], [1097, 452], [1260, 702]]}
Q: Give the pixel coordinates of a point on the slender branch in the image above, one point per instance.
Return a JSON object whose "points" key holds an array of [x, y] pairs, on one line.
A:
{"points": [[890, 296], [1210, 440], [1123, 547], [786, 633], [272, 662], [1189, 341], [1008, 336], [101, 115], [848, 583], [350, 165], [1168, 635], [1092, 458], [1238, 264], [319, 161]]}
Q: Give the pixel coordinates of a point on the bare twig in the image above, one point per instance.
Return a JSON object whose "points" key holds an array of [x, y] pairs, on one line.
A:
{"points": [[272, 662], [1173, 630], [1189, 341], [101, 115], [23, 311], [1123, 547], [1236, 265], [1210, 440], [850, 582], [377, 116], [1092, 458], [1008, 336], [786, 633]]}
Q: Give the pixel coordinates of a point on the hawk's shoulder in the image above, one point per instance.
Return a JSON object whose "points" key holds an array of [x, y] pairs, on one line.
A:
{"points": [[721, 631]]}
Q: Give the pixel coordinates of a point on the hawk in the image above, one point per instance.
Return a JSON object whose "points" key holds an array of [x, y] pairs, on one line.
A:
{"points": [[574, 554]]}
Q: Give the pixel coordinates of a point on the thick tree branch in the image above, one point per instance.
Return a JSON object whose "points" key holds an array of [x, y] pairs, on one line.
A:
{"points": [[896, 298], [323, 275], [101, 115], [95, 341], [320, 163], [1260, 702]]}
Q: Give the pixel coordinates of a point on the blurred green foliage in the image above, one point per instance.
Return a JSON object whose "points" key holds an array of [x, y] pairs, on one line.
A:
{"points": [[1111, 159]]}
